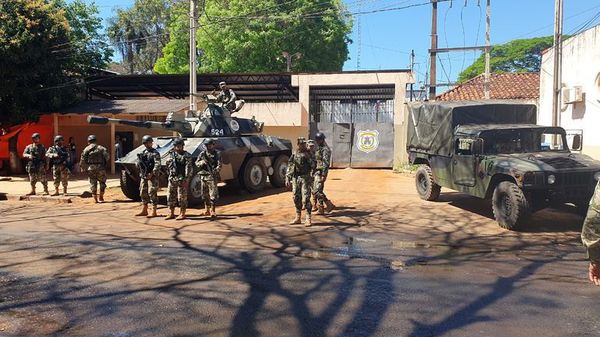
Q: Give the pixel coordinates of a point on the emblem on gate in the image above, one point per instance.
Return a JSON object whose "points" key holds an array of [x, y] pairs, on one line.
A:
{"points": [[368, 140]]}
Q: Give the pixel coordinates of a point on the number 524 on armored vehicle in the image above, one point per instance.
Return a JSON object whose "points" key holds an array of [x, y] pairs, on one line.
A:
{"points": [[496, 151]]}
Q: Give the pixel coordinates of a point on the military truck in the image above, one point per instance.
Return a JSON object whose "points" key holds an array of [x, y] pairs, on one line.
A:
{"points": [[249, 157], [495, 150]]}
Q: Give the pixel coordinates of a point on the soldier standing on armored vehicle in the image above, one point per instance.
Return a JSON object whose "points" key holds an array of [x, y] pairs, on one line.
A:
{"points": [[299, 177], [323, 158], [180, 167], [93, 160], [148, 164], [590, 235], [209, 163], [60, 159], [226, 96], [36, 167]]}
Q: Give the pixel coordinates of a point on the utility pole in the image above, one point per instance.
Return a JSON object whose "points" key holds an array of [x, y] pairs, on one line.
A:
{"points": [[488, 47], [432, 51], [288, 59], [193, 81], [556, 86], [412, 71]]}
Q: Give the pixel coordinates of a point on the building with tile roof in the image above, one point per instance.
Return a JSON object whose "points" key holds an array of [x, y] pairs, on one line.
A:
{"points": [[517, 86]]}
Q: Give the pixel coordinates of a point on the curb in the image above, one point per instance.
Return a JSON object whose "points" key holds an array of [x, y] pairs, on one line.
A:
{"points": [[39, 198]]}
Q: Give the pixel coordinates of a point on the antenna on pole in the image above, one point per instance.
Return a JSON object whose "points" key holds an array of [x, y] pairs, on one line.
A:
{"points": [[359, 35]]}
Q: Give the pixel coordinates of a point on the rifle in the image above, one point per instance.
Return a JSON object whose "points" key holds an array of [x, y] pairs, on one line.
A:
{"points": [[142, 165], [215, 175]]}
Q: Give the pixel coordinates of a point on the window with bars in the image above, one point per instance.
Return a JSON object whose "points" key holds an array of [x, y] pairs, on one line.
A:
{"points": [[353, 111]]}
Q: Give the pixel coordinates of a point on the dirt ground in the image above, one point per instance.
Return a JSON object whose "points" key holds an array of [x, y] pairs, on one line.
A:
{"points": [[384, 263]]}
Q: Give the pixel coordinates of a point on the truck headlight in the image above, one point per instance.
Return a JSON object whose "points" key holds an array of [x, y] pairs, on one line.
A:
{"points": [[551, 179], [597, 176]]}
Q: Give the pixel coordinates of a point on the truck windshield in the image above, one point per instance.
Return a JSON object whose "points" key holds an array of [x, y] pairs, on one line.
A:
{"points": [[523, 141]]}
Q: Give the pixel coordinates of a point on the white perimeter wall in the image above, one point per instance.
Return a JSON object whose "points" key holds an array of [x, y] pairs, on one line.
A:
{"points": [[580, 67]]}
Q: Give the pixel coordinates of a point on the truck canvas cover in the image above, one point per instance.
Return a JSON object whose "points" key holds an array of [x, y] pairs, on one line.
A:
{"points": [[431, 124]]}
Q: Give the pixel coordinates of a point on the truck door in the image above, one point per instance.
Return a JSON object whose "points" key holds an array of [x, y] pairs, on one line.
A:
{"points": [[464, 163]]}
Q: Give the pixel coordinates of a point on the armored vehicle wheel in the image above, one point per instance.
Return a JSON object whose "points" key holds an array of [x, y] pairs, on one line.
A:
{"points": [[510, 206], [254, 175], [279, 171], [426, 186], [129, 187], [195, 190]]}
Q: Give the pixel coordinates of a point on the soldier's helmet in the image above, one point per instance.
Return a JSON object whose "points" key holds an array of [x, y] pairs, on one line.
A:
{"points": [[178, 141], [301, 140], [91, 138], [58, 138], [146, 139], [222, 84], [211, 142], [320, 135], [310, 142], [35, 135]]}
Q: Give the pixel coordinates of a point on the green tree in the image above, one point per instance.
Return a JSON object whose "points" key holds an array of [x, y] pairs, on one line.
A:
{"points": [[524, 55], [46, 49], [140, 33], [250, 36]]}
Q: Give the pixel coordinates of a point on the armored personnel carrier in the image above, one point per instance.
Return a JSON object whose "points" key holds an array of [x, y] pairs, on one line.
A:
{"points": [[249, 157]]}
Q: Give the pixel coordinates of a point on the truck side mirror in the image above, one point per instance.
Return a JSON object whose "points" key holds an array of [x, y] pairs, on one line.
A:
{"points": [[477, 147], [576, 146]]}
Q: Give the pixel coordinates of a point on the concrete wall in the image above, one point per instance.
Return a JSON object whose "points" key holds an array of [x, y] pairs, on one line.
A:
{"points": [[580, 67], [274, 114]]}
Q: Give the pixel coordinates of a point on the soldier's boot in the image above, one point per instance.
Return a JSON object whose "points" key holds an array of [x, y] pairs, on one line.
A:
{"points": [[298, 219], [64, 190], [320, 209], [46, 190], [181, 215], [171, 214], [213, 212], [32, 192], [95, 198], [315, 204], [55, 192], [101, 197], [144, 211], [329, 206], [308, 220], [153, 213], [207, 211]]}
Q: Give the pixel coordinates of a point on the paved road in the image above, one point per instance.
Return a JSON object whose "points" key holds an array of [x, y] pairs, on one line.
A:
{"points": [[384, 264]]}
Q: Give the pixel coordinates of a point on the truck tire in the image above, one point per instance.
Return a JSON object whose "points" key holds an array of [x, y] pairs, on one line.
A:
{"points": [[254, 175], [279, 171], [195, 190], [129, 187], [510, 206], [426, 186]]}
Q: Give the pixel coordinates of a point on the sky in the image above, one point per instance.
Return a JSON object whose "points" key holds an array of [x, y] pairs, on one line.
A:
{"points": [[384, 39]]}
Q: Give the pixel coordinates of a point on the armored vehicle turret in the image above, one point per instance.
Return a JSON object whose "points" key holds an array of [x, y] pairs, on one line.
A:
{"points": [[249, 157]]}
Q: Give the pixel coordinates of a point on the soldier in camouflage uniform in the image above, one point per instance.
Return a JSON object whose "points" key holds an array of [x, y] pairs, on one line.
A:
{"points": [[590, 235], [323, 158], [148, 164], [36, 167], [60, 160], [93, 160], [299, 177], [209, 164], [180, 168]]}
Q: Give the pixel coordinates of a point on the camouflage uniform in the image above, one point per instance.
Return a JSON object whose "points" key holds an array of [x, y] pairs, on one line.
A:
{"points": [[227, 97], [36, 167], [590, 235], [95, 158], [301, 166], [180, 168], [148, 163], [209, 164], [323, 159], [60, 158]]}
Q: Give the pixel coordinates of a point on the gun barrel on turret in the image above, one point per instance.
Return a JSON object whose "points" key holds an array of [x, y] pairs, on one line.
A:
{"points": [[184, 128]]}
